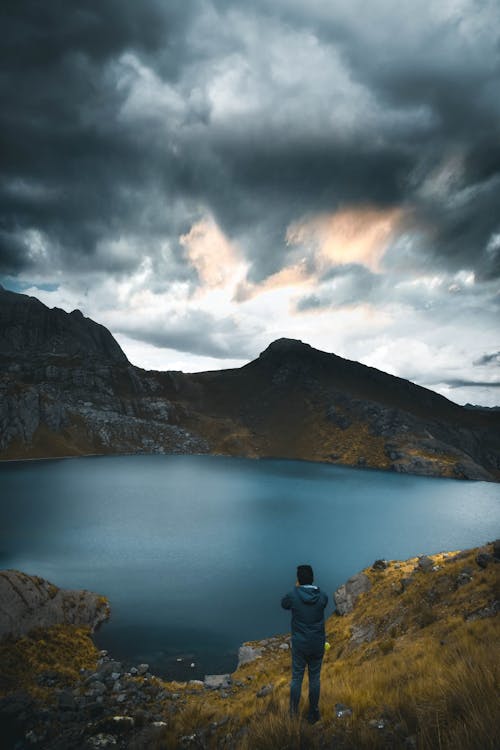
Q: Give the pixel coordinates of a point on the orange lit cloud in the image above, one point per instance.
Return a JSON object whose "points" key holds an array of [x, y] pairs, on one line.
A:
{"points": [[214, 257], [351, 235]]}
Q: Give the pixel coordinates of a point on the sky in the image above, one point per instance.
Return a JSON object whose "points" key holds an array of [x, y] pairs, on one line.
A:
{"points": [[206, 176]]}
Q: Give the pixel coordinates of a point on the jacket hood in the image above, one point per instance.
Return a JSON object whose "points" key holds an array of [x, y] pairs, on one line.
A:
{"points": [[308, 594]]}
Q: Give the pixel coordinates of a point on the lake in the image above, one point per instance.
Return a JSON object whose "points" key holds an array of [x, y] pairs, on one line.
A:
{"points": [[194, 552]]}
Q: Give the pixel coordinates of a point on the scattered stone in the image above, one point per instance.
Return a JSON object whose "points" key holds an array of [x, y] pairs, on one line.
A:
{"points": [[216, 681], [97, 688], [115, 675], [223, 694], [380, 565], [101, 740], [345, 596], [284, 646], [489, 611], [425, 564], [134, 671], [108, 667], [247, 654], [377, 723], [264, 691], [142, 669], [191, 683], [159, 724], [342, 711]]}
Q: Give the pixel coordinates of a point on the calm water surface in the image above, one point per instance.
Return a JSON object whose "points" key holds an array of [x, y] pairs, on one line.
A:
{"points": [[194, 552]]}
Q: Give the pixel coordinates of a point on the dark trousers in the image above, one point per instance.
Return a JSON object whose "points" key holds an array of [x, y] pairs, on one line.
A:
{"points": [[313, 662]]}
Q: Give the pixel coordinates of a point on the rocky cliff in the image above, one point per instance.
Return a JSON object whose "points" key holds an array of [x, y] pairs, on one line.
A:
{"points": [[66, 388], [28, 602]]}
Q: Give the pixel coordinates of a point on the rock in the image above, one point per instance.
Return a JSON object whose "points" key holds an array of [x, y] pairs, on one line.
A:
{"points": [[101, 740], [98, 688], [424, 564], [363, 633], [345, 596], [28, 602], [376, 723], [490, 611], [216, 681], [247, 654], [483, 558], [142, 669], [284, 646], [380, 565], [342, 711], [405, 582], [264, 691]]}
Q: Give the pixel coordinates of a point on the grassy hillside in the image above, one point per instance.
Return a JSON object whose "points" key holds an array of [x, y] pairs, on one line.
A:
{"points": [[415, 664]]}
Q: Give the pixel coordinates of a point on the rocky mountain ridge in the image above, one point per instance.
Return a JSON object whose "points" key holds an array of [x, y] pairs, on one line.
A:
{"points": [[67, 388]]}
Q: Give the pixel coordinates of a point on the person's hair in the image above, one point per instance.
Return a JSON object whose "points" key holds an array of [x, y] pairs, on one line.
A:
{"points": [[305, 574]]}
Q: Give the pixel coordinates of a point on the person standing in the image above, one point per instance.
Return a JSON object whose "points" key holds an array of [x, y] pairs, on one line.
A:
{"points": [[307, 603]]}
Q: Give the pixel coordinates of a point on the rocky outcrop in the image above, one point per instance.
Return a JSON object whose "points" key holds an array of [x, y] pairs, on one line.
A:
{"points": [[28, 602], [345, 596], [27, 325], [66, 388]]}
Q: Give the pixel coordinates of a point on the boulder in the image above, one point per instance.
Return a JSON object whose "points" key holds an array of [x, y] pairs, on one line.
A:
{"points": [[28, 602], [346, 595], [247, 654], [362, 633], [216, 681], [380, 565], [425, 564]]}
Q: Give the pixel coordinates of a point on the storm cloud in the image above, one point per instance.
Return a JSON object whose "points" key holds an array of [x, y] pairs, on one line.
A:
{"points": [[349, 149]]}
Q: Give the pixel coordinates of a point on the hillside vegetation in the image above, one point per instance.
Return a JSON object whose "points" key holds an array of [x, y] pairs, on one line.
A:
{"points": [[413, 665]]}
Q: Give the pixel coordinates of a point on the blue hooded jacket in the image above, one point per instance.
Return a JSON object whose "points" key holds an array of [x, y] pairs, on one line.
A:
{"points": [[308, 617]]}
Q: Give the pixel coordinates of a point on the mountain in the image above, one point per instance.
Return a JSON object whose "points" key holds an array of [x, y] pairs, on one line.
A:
{"points": [[67, 388]]}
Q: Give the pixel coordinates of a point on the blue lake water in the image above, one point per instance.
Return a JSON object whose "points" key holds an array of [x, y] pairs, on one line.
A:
{"points": [[194, 552]]}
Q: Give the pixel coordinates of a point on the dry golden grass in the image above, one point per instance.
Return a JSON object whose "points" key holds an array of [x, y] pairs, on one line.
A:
{"points": [[428, 673], [61, 649]]}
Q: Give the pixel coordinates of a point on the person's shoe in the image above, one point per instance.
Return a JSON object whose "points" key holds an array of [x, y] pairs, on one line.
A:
{"points": [[313, 717]]}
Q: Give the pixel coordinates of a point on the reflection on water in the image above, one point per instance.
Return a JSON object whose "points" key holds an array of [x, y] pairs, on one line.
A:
{"points": [[194, 552]]}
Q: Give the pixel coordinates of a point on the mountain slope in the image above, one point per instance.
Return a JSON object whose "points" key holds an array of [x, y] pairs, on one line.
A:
{"points": [[411, 665], [66, 388]]}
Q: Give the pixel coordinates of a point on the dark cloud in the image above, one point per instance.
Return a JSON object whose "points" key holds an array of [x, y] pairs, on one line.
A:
{"points": [[472, 384], [196, 332], [126, 122], [488, 359]]}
